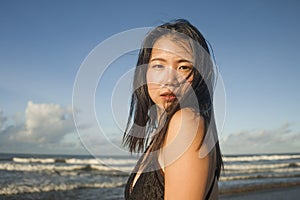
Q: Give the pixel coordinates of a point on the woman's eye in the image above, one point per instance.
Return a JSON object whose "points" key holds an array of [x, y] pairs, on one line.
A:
{"points": [[185, 68], [158, 67]]}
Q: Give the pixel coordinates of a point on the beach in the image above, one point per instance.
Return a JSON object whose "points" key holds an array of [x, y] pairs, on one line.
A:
{"points": [[55, 177], [290, 193]]}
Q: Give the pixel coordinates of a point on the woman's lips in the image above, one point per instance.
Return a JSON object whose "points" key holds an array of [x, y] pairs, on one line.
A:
{"points": [[168, 96]]}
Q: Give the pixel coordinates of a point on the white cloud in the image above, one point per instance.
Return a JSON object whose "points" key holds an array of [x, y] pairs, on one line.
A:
{"points": [[280, 140], [45, 123], [45, 126], [49, 128]]}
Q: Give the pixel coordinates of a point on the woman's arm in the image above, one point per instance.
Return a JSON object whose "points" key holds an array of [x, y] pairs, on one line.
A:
{"points": [[185, 173]]}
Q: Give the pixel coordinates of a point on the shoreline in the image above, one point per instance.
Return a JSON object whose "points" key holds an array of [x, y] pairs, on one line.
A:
{"points": [[276, 191], [258, 187], [280, 191]]}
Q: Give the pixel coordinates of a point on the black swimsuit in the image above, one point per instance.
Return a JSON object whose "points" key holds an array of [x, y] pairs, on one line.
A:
{"points": [[150, 185]]}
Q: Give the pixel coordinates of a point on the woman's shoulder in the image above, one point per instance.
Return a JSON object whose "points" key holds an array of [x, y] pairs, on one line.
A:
{"points": [[186, 121], [185, 131], [181, 154], [186, 112]]}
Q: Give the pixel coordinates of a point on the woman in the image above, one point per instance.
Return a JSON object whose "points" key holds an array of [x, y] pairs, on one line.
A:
{"points": [[171, 117]]}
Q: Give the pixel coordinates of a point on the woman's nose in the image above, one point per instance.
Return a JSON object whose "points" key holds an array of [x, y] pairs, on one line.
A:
{"points": [[171, 77]]}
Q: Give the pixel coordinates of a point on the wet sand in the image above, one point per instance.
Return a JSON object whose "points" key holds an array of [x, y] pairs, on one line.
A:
{"points": [[290, 193]]}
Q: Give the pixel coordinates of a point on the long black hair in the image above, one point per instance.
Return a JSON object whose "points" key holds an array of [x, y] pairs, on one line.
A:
{"points": [[142, 120]]}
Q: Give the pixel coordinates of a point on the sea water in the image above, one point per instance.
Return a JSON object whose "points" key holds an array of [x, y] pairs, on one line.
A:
{"points": [[85, 177]]}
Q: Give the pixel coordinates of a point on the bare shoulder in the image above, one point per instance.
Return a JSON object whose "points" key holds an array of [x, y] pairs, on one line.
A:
{"points": [[184, 136], [181, 154], [186, 123]]}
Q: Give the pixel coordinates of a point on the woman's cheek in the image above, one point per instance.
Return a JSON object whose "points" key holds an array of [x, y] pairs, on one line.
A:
{"points": [[151, 77]]}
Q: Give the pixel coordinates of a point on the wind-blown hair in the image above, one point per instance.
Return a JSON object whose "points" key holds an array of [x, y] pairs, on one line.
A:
{"points": [[142, 120]]}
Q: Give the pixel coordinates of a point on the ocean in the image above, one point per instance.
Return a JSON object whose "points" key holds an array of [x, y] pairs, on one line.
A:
{"points": [[66, 177]]}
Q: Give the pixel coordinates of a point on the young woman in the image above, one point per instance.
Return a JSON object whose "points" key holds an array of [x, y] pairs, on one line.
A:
{"points": [[171, 117]]}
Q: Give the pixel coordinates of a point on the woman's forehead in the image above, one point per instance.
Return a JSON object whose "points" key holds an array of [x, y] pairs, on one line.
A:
{"points": [[167, 45]]}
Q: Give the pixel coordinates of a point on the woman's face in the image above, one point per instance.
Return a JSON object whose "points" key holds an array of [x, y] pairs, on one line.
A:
{"points": [[170, 65]]}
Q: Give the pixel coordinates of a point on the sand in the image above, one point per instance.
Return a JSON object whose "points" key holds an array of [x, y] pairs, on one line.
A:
{"points": [[290, 193]]}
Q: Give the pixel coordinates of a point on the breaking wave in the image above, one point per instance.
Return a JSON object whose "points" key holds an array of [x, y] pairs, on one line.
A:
{"points": [[17, 189]]}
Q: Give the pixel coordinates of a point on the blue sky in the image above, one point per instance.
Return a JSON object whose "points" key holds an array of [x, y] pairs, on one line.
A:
{"points": [[43, 44]]}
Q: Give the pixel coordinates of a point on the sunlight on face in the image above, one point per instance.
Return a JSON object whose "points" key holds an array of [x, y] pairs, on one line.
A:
{"points": [[169, 70]]}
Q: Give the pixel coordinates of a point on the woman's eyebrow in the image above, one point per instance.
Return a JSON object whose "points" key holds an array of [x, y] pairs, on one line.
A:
{"points": [[158, 59], [164, 60], [185, 60]]}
